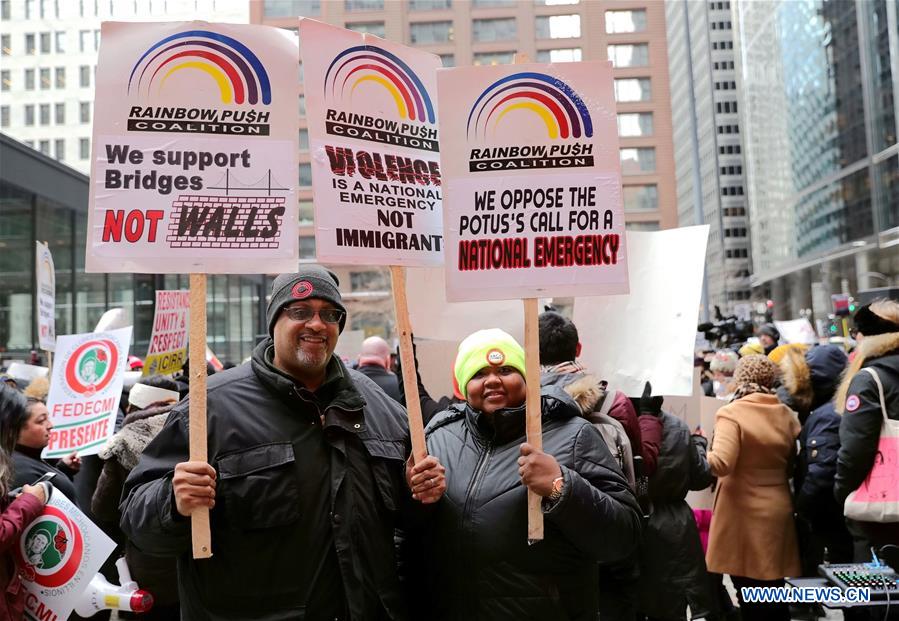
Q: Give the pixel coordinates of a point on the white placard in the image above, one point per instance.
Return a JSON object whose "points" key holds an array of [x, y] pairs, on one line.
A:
{"points": [[797, 331], [372, 115], [46, 297], [85, 389], [649, 334], [58, 554], [533, 203], [194, 150]]}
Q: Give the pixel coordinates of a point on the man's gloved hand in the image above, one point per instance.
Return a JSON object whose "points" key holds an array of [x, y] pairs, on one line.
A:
{"points": [[649, 404]]}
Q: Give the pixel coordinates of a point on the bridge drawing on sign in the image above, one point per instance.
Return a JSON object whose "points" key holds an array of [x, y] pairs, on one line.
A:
{"points": [[233, 184]]}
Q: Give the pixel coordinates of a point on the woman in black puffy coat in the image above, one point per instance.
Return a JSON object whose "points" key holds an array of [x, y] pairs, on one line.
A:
{"points": [[475, 541]]}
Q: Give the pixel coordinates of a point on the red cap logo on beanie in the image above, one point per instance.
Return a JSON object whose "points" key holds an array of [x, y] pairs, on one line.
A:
{"points": [[496, 357], [301, 290]]}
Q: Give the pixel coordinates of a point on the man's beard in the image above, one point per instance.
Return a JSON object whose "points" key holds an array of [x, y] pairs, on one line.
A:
{"points": [[312, 361]]}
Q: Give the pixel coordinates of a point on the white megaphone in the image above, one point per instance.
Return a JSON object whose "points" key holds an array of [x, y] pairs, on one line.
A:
{"points": [[101, 595]]}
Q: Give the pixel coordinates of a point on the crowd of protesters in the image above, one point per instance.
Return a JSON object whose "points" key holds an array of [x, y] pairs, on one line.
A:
{"points": [[318, 510]]}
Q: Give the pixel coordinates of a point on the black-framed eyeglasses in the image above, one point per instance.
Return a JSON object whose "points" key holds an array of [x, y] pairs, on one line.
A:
{"points": [[304, 313]]}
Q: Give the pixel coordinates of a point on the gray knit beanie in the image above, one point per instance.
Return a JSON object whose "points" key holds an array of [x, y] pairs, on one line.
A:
{"points": [[311, 281]]}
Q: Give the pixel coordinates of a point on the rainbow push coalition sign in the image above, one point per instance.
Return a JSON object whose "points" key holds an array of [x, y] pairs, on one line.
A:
{"points": [[194, 164], [532, 178], [372, 114]]}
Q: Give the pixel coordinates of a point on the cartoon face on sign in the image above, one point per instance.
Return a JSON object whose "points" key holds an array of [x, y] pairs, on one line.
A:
{"points": [[51, 548], [92, 366]]}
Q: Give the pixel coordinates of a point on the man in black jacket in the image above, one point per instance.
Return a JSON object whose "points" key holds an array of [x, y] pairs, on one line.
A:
{"points": [[306, 483], [374, 363]]}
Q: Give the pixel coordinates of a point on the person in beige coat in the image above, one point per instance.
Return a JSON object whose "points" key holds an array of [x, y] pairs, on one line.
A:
{"points": [[753, 536]]}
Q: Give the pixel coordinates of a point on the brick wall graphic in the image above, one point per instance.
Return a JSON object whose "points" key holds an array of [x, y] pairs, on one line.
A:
{"points": [[244, 222]]}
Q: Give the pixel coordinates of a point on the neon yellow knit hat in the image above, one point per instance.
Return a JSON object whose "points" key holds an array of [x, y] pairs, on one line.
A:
{"points": [[485, 348]]}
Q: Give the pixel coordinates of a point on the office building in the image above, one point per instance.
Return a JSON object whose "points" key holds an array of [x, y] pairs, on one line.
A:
{"points": [[707, 143]]}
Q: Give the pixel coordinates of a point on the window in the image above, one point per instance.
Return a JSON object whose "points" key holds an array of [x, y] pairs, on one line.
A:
{"points": [[632, 124], [555, 2], [59, 113], [84, 109], [480, 4], [304, 139], [633, 89], [728, 129], [448, 60], [84, 76], [306, 174], [6, 44], [29, 79], [629, 55], [641, 226], [732, 190], [729, 149], [726, 107], [45, 78], [363, 5], [307, 211], [640, 161], [4, 116], [60, 77], [558, 26], [493, 58], [735, 212], [29, 44], [45, 114], [84, 40], [84, 148], [302, 105], [45, 43], [307, 248], [502, 29], [61, 42], [4, 9], [731, 170], [429, 5], [375, 28], [96, 40], [431, 32], [625, 21], [59, 149], [641, 197], [562, 55], [291, 8], [5, 80], [44, 146]]}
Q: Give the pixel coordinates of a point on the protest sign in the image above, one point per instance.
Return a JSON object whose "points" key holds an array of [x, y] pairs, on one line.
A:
{"points": [[532, 182], [649, 334], [85, 388], [797, 331], [372, 114], [59, 553], [194, 151], [46, 297], [168, 342]]}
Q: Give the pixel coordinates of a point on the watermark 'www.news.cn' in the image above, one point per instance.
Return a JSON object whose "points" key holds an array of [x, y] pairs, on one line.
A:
{"points": [[805, 595]]}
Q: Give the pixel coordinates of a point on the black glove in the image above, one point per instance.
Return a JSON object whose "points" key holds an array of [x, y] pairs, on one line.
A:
{"points": [[649, 404]]}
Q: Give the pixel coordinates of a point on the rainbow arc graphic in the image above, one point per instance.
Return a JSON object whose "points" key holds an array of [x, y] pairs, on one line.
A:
{"points": [[371, 64], [237, 71], [558, 106]]}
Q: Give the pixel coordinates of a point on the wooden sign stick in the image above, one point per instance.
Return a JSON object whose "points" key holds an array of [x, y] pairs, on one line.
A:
{"points": [[199, 518], [407, 359], [533, 413]]}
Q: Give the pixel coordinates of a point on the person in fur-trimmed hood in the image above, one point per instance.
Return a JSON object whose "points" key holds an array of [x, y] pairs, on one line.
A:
{"points": [[149, 403], [858, 400]]}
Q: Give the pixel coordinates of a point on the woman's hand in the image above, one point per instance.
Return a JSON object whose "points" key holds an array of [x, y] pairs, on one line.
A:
{"points": [[426, 479], [38, 491], [538, 470], [72, 461]]}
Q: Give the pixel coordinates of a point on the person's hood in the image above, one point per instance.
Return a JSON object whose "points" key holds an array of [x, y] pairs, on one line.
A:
{"points": [[138, 430], [870, 347], [811, 378]]}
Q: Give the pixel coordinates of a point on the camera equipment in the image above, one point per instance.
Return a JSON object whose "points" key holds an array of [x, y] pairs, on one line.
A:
{"points": [[726, 331]]}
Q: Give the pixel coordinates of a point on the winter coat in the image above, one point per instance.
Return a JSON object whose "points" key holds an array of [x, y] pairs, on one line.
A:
{"points": [[120, 455], [753, 448], [307, 484], [858, 400], [15, 517], [29, 467], [386, 380], [672, 566], [481, 565], [644, 432]]}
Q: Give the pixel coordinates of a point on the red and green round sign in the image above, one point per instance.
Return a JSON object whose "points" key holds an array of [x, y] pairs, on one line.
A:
{"points": [[92, 366], [51, 549]]}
